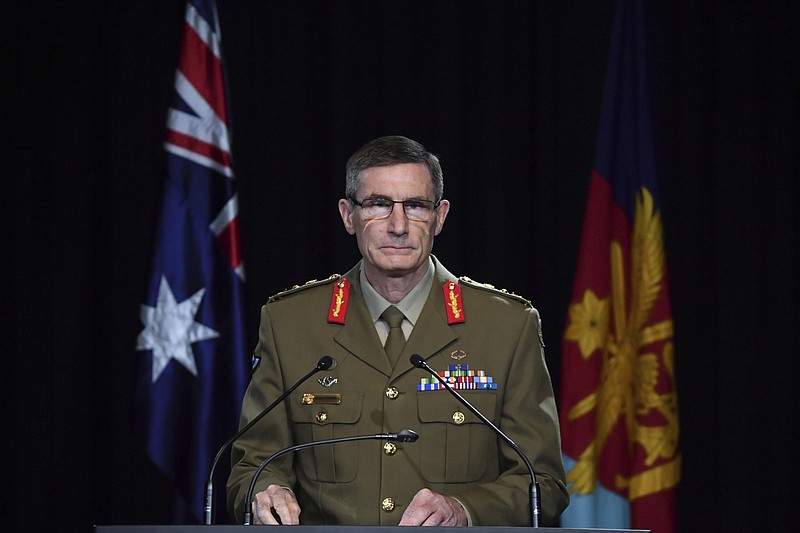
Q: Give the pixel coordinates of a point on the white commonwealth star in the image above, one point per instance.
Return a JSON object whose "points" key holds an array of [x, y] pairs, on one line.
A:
{"points": [[170, 329]]}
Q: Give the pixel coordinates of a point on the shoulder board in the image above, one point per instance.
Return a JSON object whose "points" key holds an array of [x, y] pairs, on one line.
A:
{"points": [[306, 285], [491, 288]]}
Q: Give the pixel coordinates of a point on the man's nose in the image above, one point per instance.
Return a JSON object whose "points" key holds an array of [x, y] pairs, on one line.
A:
{"points": [[398, 221]]}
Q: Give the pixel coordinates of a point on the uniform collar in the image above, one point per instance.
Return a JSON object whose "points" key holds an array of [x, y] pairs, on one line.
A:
{"points": [[431, 333], [411, 305]]}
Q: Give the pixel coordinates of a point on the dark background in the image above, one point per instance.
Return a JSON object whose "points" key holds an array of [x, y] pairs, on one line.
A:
{"points": [[508, 94]]}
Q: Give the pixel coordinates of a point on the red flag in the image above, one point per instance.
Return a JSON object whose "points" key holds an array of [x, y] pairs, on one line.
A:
{"points": [[618, 406]]}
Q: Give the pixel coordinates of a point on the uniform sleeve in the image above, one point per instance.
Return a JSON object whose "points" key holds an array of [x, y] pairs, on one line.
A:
{"points": [[269, 435], [530, 418]]}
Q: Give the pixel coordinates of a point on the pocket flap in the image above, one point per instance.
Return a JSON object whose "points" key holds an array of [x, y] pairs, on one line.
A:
{"points": [[346, 411], [439, 406]]}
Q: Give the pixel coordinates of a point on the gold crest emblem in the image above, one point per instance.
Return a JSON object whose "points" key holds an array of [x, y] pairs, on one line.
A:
{"points": [[629, 372]]}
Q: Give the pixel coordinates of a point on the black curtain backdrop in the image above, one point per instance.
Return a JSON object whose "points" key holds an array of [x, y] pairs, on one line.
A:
{"points": [[508, 94]]}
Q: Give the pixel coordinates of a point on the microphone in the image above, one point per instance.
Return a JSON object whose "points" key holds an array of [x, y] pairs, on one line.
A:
{"points": [[406, 435], [533, 495], [326, 362]]}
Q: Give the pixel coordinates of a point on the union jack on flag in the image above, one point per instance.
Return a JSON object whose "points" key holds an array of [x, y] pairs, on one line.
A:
{"points": [[195, 367]]}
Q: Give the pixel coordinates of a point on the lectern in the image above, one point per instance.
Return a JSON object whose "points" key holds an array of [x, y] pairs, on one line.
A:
{"points": [[348, 529]]}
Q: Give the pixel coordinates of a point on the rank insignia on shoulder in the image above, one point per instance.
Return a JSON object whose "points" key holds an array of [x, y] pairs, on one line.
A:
{"points": [[541, 337], [452, 303], [492, 288], [339, 301], [307, 285]]}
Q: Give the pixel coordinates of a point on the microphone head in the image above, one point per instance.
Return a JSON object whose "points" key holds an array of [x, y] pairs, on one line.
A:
{"points": [[326, 363], [417, 360], [407, 435]]}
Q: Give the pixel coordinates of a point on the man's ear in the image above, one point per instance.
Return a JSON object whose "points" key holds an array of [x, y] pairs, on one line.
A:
{"points": [[441, 214], [346, 212]]}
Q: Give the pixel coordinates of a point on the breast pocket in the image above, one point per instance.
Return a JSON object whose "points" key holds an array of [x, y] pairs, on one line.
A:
{"points": [[333, 463], [456, 446]]}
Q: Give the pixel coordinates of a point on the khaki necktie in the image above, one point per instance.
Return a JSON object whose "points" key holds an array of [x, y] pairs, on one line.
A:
{"points": [[396, 340]]}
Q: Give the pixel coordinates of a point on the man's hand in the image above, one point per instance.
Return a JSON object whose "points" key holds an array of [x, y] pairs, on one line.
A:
{"points": [[276, 500], [430, 508]]}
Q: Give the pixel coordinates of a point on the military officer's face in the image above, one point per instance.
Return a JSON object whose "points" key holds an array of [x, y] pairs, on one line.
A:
{"points": [[396, 245]]}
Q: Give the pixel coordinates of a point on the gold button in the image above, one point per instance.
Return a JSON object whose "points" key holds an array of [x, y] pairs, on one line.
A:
{"points": [[392, 393], [322, 416], [390, 448], [387, 505], [458, 417]]}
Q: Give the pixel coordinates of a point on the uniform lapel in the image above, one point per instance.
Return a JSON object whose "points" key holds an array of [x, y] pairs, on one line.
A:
{"points": [[430, 335], [358, 335], [431, 332]]}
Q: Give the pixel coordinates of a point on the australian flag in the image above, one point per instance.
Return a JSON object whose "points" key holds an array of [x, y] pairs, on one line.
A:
{"points": [[193, 368]]}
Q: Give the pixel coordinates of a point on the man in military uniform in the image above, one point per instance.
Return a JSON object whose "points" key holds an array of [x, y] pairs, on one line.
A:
{"points": [[484, 341]]}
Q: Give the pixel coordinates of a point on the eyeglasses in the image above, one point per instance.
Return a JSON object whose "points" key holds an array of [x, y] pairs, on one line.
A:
{"points": [[377, 208]]}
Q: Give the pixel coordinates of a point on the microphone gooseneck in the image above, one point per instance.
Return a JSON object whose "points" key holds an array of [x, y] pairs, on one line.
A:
{"points": [[533, 494], [326, 362], [406, 435]]}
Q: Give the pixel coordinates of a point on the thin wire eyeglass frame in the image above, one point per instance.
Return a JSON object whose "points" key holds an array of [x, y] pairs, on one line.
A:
{"points": [[428, 205]]}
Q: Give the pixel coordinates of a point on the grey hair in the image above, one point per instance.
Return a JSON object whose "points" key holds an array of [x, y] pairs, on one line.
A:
{"points": [[388, 151]]}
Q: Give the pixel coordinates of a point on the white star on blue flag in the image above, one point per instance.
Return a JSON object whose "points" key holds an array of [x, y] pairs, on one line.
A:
{"points": [[170, 330]]}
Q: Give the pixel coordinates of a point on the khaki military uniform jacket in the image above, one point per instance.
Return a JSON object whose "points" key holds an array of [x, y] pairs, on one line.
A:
{"points": [[371, 482]]}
